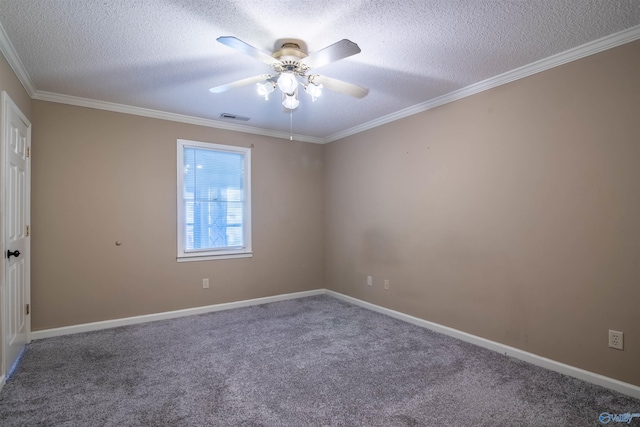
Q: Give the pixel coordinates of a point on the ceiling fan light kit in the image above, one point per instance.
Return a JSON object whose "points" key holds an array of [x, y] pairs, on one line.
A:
{"points": [[287, 83], [265, 89], [314, 90], [290, 101], [292, 68]]}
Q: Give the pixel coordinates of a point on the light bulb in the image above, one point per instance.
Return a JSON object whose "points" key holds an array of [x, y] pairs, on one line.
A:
{"points": [[287, 83], [265, 88], [314, 90], [290, 102]]}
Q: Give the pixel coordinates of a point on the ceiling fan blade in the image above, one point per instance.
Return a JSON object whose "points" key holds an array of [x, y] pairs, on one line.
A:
{"points": [[248, 50], [340, 50], [240, 83], [340, 86]]}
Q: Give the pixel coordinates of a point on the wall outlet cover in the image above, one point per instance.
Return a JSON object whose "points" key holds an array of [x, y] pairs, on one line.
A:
{"points": [[616, 339]]}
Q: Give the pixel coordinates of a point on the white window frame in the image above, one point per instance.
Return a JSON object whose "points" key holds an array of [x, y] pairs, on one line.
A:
{"points": [[213, 254]]}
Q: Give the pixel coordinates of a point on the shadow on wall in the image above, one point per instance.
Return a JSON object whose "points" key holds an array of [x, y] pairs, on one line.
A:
{"points": [[378, 248]]}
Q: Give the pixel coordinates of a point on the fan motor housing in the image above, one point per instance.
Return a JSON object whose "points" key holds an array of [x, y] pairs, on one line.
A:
{"points": [[290, 55], [290, 51]]}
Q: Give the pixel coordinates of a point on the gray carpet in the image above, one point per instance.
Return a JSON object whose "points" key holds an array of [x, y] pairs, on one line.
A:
{"points": [[308, 362]]}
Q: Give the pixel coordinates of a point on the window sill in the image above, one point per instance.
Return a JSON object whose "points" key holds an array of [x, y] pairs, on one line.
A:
{"points": [[214, 257]]}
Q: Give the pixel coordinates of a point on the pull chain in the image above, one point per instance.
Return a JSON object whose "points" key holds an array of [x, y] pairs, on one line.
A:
{"points": [[290, 125]]}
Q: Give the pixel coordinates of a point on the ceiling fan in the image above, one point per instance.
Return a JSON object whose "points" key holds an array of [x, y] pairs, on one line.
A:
{"points": [[292, 67]]}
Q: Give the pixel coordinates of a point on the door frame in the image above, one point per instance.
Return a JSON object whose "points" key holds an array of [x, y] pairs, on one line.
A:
{"points": [[7, 106]]}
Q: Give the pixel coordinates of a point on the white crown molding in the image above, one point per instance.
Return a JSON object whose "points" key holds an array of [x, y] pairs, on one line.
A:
{"points": [[15, 63], [7, 49], [162, 115], [570, 55]]}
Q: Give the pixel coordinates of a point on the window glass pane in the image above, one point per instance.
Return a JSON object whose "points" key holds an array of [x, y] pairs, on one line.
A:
{"points": [[213, 199]]}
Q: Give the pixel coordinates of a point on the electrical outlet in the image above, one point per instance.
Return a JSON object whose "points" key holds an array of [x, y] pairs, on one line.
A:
{"points": [[616, 340], [369, 280], [386, 284], [205, 283]]}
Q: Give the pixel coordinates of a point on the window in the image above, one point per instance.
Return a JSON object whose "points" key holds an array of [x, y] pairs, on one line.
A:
{"points": [[214, 201]]}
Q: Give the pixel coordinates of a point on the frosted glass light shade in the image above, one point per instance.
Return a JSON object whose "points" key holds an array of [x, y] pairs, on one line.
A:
{"points": [[290, 102], [287, 83], [264, 89], [314, 90]]}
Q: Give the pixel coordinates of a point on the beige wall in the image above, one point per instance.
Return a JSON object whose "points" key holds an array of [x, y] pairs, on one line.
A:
{"points": [[10, 83], [512, 214], [100, 176]]}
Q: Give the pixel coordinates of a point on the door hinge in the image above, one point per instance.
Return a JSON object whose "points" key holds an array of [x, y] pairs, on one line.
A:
{"points": [[28, 231], [28, 152], [27, 310]]}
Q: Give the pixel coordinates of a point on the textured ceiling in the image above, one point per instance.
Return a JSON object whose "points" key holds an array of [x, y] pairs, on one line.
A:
{"points": [[163, 55]]}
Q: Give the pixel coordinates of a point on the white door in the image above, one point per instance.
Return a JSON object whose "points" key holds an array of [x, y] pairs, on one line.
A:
{"points": [[16, 144]]}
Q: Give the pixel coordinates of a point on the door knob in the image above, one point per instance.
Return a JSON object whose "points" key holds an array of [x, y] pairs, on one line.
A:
{"points": [[15, 253]]}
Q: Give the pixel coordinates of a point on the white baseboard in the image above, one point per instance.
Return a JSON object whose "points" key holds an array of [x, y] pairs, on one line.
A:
{"points": [[534, 359], [590, 377], [107, 324]]}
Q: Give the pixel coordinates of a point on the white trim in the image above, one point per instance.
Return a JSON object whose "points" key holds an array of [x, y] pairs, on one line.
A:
{"points": [[6, 47], [201, 255], [107, 324], [8, 106], [162, 115], [553, 61], [607, 42], [212, 258], [581, 374], [3, 381]]}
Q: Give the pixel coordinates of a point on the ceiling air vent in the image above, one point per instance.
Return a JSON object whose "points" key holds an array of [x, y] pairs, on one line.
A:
{"points": [[233, 117]]}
